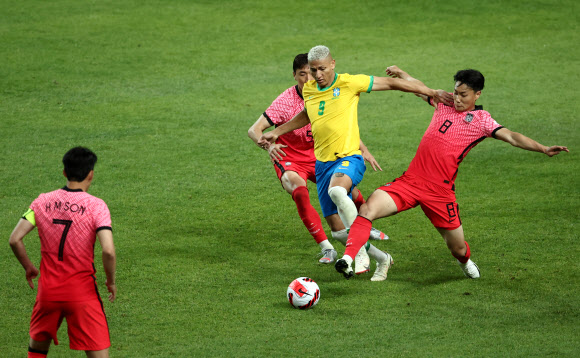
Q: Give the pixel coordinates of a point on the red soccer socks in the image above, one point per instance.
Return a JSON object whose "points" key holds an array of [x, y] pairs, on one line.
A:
{"points": [[463, 259], [358, 201], [308, 214], [36, 353], [358, 235]]}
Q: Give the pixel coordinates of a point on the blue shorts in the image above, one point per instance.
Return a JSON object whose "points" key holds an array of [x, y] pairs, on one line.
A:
{"points": [[353, 166]]}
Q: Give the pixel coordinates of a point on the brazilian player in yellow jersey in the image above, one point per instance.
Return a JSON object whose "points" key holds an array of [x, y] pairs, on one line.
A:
{"points": [[331, 106], [332, 112]]}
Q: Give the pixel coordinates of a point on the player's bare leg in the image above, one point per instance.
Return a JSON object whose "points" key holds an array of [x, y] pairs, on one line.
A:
{"points": [[291, 180], [455, 241], [459, 248], [104, 353], [380, 204], [38, 349], [295, 185]]}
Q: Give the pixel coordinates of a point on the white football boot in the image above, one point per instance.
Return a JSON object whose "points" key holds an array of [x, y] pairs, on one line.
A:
{"points": [[362, 261], [470, 269], [383, 268], [328, 256], [377, 234]]}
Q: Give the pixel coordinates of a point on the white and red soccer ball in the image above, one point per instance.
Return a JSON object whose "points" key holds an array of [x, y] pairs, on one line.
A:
{"points": [[303, 293]]}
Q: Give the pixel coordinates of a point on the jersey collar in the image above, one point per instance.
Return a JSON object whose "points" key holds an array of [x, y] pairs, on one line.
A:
{"points": [[324, 89], [298, 91], [71, 190]]}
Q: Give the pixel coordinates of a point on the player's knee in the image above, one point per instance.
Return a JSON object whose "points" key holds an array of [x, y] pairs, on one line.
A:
{"points": [[369, 211], [457, 248], [289, 185], [364, 211], [337, 194]]}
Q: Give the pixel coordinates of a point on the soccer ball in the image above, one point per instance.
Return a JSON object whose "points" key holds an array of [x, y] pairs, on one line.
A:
{"points": [[303, 293]]}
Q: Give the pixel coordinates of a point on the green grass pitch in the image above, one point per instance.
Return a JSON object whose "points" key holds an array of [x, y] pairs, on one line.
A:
{"points": [[207, 241]]}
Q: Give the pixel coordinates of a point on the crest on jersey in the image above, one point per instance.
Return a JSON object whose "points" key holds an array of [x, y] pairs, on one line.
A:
{"points": [[336, 92], [288, 164], [469, 117]]}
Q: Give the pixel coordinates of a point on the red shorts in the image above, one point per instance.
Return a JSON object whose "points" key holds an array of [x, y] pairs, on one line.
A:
{"points": [[305, 170], [438, 203], [87, 325]]}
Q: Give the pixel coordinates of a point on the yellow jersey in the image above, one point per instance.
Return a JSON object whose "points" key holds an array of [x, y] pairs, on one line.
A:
{"points": [[333, 113]]}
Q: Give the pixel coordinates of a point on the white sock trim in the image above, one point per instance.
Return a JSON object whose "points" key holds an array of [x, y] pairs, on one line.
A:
{"points": [[341, 236], [348, 259], [326, 245]]}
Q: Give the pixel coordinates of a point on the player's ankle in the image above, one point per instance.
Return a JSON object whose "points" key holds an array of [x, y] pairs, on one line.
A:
{"points": [[36, 353], [326, 245], [348, 259]]}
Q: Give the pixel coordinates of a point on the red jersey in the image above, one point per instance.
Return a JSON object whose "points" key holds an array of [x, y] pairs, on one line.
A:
{"points": [[448, 139], [67, 222], [300, 143]]}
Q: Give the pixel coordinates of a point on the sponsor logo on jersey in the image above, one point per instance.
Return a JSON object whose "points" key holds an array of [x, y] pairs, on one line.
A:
{"points": [[288, 164], [469, 117]]}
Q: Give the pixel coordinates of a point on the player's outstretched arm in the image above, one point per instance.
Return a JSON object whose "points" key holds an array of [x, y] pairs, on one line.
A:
{"points": [[396, 72], [405, 83], [20, 231], [109, 261], [257, 129], [521, 141], [299, 121], [366, 154]]}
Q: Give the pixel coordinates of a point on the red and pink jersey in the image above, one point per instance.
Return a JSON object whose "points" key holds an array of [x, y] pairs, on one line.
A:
{"points": [[448, 139], [300, 143], [68, 221]]}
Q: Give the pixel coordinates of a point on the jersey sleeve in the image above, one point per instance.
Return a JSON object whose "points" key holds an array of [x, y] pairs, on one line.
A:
{"points": [[361, 83], [102, 217], [35, 206], [489, 125], [29, 215], [276, 114]]}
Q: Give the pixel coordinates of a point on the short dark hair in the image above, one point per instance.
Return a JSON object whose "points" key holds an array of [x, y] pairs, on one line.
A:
{"points": [[472, 78], [78, 162], [299, 62]]}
